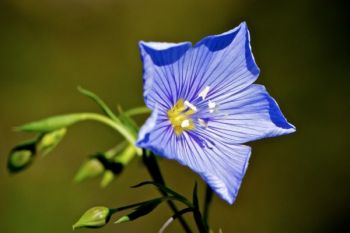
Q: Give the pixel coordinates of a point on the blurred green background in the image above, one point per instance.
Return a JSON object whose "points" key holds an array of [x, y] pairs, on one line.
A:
{"points": [[296, 183]]}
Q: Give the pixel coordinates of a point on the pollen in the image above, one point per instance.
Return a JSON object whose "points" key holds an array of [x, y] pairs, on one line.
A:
{"points": [[180, 116]]}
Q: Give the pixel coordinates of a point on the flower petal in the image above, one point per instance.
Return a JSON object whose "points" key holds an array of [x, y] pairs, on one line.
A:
{"points": [[224, 63], [248, 115], [222, 166], [232, 110], [159, 74], [221, 62]]}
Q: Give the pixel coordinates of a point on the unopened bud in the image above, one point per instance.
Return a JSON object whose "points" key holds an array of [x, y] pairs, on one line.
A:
{"points": [[94, 218], [48, 141], [90, 169], [20, 159], [21, 156], [108, 177]]}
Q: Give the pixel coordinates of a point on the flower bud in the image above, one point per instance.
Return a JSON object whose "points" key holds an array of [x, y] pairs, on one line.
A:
{"points": [[90, 169], [21, 156], [107, 178], [94, 218], [48, 141], [20, 159]]}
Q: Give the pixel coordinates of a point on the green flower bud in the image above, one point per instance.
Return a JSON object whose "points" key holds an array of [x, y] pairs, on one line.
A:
{"points": [[19, 159], [21, 156], [48, 141], [94, 218], [108, 177], [90, 169]]}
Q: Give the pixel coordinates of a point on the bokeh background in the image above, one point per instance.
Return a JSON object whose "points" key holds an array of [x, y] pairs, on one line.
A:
{"points": [[296, 183]]}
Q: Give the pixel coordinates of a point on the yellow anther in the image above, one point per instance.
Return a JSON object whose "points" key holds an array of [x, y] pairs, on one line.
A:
{"points": [[179, 116]]}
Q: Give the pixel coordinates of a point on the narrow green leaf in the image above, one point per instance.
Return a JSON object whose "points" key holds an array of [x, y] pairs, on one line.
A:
{"points": [[118, 209], [140, 211], [100, 102], [166, 190]]}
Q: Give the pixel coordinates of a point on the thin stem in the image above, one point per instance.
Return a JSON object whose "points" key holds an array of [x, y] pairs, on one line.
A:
{"points": [[172, 218], [154, 170], [110, 154], [107, 121], [137, 111], [207, 201], [202, 228], [115, 125], [201, 225], [63, 121], [100, 102]]}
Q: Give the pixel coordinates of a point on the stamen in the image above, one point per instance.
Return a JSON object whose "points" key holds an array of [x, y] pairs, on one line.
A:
{"points": [[191, 106], [212, 106], [204, 93]]}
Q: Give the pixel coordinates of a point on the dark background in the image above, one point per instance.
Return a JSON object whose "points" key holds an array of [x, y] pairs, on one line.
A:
{"points": [[296, 183]]}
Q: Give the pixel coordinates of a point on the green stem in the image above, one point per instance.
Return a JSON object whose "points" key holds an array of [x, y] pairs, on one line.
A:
{"points": [[64, 121], [110, 154], [137, 111], [126, 156], [100, 102], [109, 122], [202, 228], [207, 201], [154, 170]]}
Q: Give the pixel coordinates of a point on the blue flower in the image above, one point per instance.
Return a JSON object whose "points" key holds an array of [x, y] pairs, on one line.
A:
{"points": [[205, 106]]}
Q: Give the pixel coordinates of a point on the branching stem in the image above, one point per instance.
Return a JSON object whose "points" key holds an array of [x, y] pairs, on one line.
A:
{"points": [[154, 170]]}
